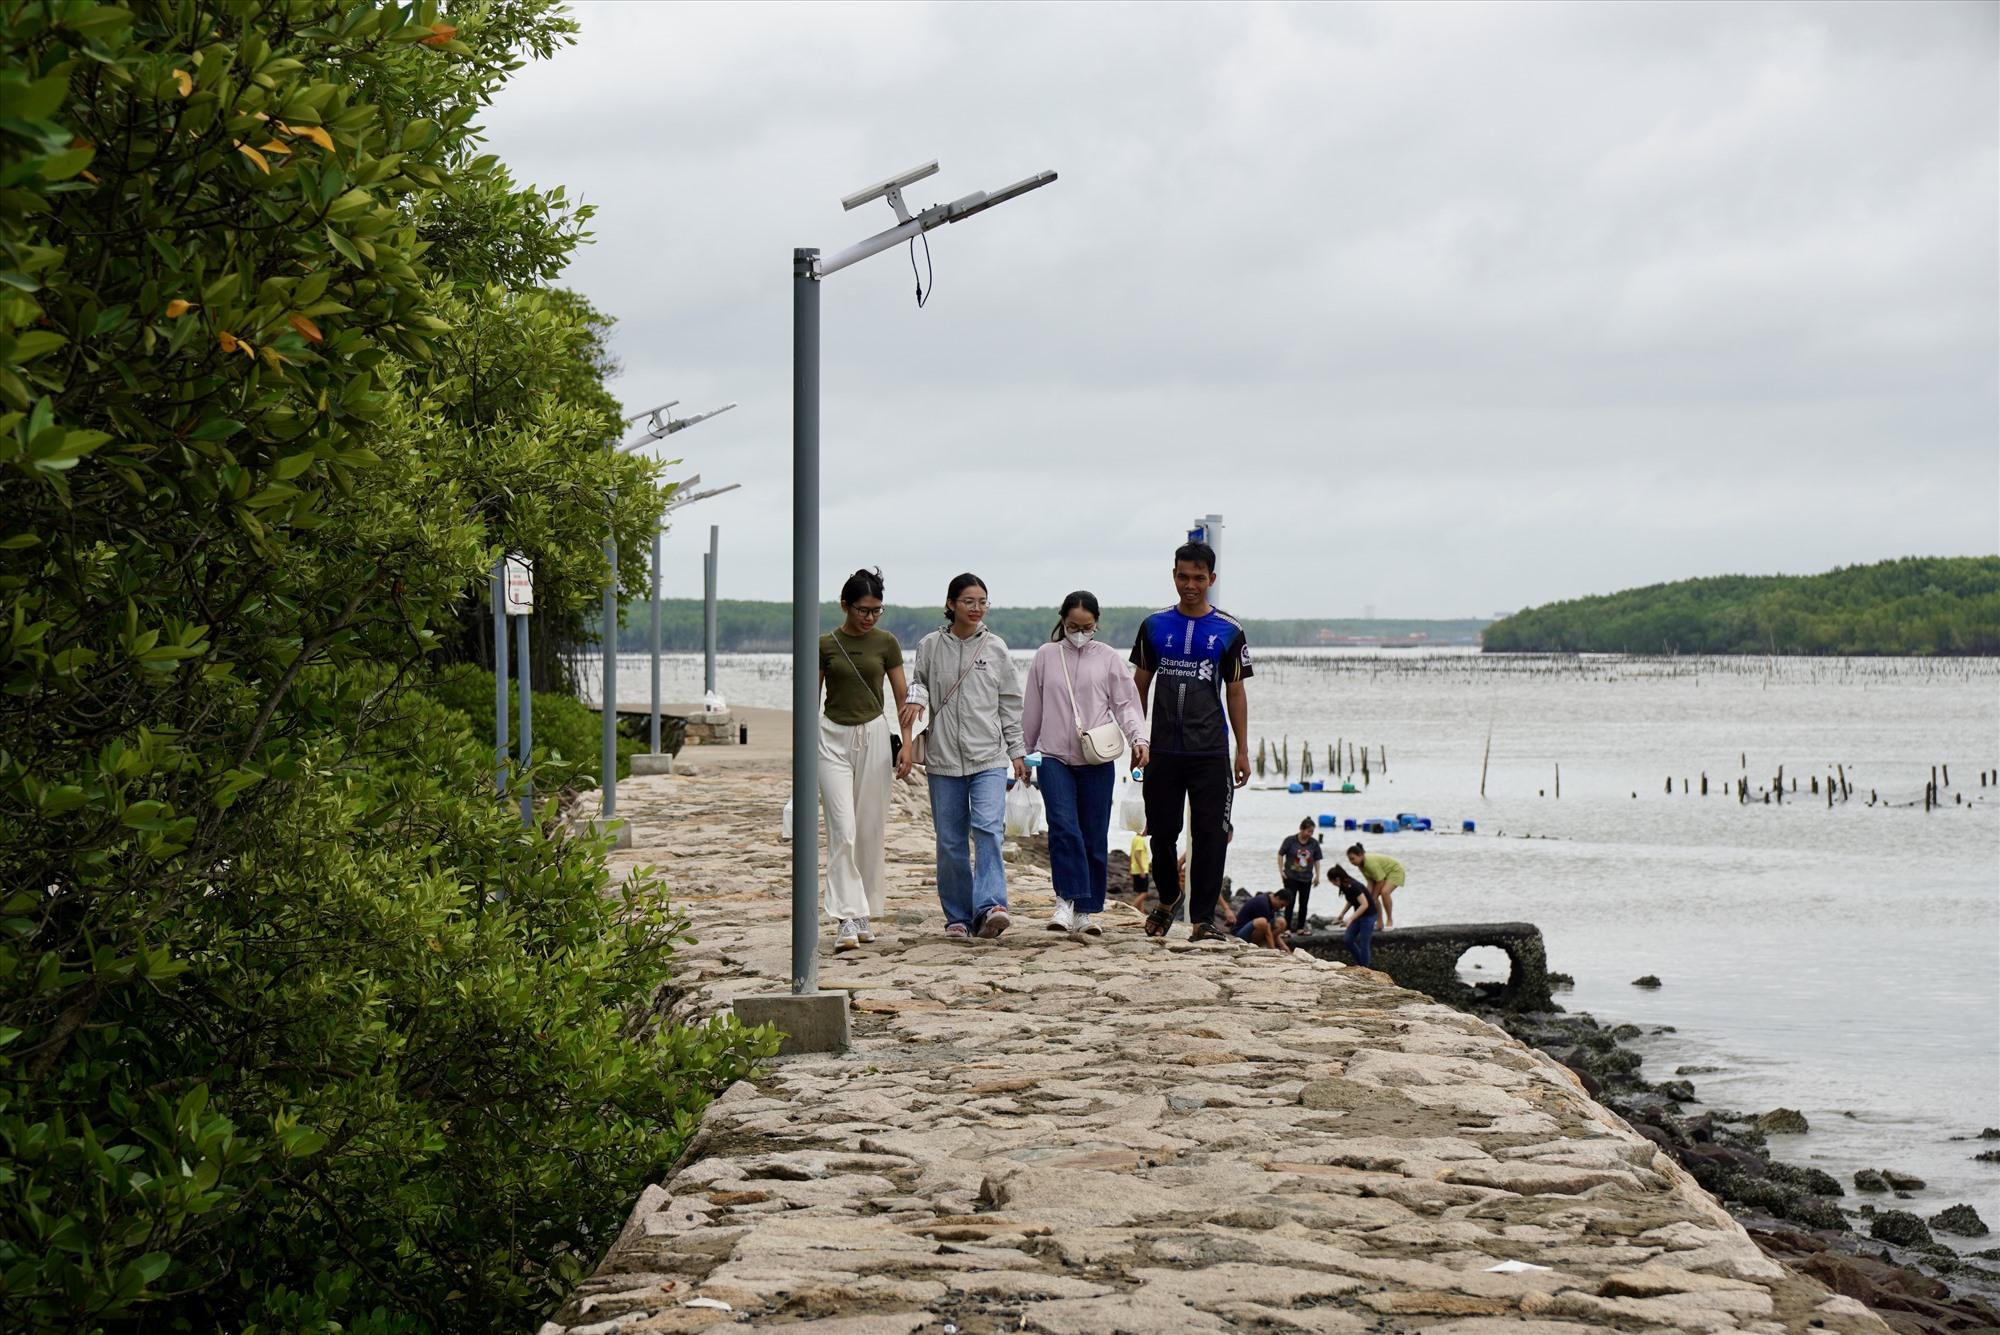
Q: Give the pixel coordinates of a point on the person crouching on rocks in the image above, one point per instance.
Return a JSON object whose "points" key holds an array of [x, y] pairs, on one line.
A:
{"points": [[1077, 683], [1358, 917], [964, 676], [1384, 876], [1261, 920]]}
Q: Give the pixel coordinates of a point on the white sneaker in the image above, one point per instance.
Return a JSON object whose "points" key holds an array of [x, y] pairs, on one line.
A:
{"points": [[1086, 923], [1064, 918], [849, 936], [863, 932]]}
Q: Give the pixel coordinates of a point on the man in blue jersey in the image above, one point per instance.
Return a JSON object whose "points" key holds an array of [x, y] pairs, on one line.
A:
{"points": [[1192, 660]]}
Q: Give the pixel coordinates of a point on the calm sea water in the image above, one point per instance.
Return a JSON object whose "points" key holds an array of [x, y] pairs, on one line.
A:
{"points": [[1844, 962]]}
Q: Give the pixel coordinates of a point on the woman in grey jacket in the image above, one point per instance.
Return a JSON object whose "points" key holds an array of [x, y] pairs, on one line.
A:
{"points": [[963, 675]]}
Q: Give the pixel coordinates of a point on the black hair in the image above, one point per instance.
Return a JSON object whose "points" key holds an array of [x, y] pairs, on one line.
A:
{"points": [[1358, 850], [959, 584], [1350, 889], [860, 584], [1283, 891], [1083, 598], [1306, 824], [1200, 553]]}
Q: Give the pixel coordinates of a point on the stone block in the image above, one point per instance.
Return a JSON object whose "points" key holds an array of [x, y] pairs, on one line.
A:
{"points": [[712, 729], [652, 764], [815, 1022]]}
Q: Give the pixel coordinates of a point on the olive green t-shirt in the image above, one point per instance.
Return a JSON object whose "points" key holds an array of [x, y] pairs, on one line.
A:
{"points": [[854, 694]]}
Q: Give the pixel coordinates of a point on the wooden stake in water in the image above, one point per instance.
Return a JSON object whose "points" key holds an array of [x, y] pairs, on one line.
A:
{"points": [[1486, 759], [1559, 780]]}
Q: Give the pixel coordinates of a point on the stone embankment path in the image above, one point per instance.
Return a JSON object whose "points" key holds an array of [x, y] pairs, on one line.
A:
{"points": [[1080, 1136]]}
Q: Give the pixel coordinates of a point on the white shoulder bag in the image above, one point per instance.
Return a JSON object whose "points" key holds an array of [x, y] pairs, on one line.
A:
{"points": [[1098, 745]]}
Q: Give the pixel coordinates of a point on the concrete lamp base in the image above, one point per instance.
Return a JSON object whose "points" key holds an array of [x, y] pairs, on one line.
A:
{"points": [[649, 763], [619, 830], [815, 1022]]}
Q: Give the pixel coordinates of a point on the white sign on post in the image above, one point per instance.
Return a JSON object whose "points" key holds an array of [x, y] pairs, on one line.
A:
{"points": [[520, 585]]}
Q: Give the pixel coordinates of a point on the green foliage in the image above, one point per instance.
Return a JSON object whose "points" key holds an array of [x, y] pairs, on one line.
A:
{"points": [[569, 735], [1917, 605], [746, 626], [299, 1029]]}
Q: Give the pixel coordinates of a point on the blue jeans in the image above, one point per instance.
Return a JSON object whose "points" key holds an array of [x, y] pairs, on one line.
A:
{"points": [[1078, 801], [1359, 937], [970, 814]]}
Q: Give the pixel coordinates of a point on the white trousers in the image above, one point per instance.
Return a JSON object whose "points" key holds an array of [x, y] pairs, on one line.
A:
{"points": [[855, 772]]}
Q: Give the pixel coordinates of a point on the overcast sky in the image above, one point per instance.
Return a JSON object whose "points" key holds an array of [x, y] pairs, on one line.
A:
{"points": [[1448, 309]]}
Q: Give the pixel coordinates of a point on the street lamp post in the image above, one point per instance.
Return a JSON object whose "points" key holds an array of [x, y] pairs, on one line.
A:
{"points": [[813, 1026], [684, 494], [708, 583], [658, 426]]}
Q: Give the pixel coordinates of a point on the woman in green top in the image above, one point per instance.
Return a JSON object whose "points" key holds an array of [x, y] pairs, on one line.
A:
{"points": [[1384, 876], [855, 759]]}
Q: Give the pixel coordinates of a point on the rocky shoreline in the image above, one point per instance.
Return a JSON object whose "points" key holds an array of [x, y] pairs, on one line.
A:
{"points": [[1886, 1257]]}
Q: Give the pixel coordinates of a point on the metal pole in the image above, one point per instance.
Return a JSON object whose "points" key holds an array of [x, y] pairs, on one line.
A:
{"points": [[527, 689], [658, 542], [608, 693], [500, 677], [708, 613], [805, 622]]}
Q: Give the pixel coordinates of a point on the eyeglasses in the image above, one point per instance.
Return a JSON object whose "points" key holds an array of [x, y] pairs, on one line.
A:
{"points": [[871, 612], [973, 604]]}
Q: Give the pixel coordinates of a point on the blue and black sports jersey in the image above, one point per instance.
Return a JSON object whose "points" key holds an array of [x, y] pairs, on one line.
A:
{"points": [[1191, 659]]}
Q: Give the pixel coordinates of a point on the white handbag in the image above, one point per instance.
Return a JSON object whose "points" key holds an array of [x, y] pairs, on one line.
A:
{"points": [[1098, 745]]}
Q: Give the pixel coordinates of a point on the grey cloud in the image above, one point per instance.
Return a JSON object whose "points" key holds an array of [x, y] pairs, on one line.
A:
{"points": [[1447, 307]]}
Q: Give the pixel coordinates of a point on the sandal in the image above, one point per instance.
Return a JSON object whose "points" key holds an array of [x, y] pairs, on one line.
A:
{"points": [[1161, 919]]}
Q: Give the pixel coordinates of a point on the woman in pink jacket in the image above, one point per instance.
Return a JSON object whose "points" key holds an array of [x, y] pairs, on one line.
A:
{"points": [[1076, 683]]}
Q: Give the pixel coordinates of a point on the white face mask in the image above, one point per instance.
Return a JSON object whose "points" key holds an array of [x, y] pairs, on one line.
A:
{"points": [[1079, 638]]}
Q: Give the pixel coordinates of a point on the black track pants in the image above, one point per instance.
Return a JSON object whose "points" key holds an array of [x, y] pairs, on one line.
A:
{"points": [[1206, 787]]}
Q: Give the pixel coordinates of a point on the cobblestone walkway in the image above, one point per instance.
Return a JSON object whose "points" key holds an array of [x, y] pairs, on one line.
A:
{"points": [[1071, 1136]]}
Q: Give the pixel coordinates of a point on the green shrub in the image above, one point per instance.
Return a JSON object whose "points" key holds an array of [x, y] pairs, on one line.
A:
{"points": [[569, 734], [300, 1029]]}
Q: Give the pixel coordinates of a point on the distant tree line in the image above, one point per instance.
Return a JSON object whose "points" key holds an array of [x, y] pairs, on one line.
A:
{"points": [[1916, 606], [763, 627]]}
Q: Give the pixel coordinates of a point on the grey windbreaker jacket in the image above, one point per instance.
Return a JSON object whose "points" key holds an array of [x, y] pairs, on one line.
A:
{"points": [[979, 726]]}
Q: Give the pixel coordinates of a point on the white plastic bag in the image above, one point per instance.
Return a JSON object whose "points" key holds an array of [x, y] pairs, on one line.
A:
{"points": [[1132, 809], [787, 821], [1024, 811]]}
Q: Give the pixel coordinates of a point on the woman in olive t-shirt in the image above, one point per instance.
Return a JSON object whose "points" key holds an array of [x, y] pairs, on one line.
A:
{"points": [[855, 760]]}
